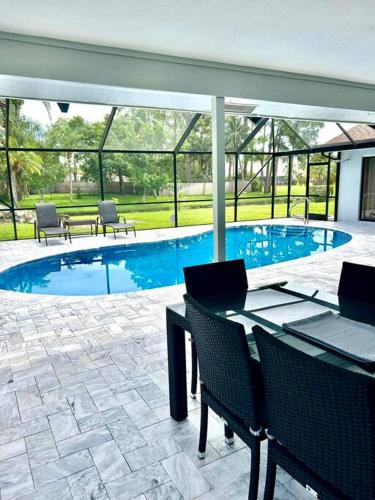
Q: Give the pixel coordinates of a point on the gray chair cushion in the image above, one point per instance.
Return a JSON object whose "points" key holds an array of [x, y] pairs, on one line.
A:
{"points": [[54, 230], [120, 225], [46, 215], [108, 212]]}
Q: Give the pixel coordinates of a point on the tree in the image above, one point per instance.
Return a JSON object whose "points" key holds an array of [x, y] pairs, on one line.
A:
{"points": [[237, 129], [197, 167], [51, 173], [143, 129], [151, 173], [26, 168], [74, 133], [23, 133]]}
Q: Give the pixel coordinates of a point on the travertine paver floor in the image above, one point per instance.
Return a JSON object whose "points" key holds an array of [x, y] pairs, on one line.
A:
{"points": [[84, 390]]}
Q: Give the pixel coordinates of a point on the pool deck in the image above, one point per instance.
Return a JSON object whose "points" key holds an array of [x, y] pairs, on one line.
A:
{"points": [[84, 386]]}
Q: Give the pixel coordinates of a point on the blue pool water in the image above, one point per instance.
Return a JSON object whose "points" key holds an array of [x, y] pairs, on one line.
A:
{"points": [[141, 266]]}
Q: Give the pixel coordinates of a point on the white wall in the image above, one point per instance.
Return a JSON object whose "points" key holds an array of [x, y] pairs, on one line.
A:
{"points": [[350, 183]]}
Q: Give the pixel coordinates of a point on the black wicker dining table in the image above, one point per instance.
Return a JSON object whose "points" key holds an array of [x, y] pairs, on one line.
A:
{"points": [[270, 306]]}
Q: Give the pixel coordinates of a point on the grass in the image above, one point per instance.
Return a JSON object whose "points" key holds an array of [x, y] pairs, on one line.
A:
{"points": [[158, 216], [64, 199]]}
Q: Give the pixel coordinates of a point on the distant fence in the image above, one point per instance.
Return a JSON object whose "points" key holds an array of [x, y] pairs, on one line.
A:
{"points": [[185, 188], [84, 187], [94, 187]]}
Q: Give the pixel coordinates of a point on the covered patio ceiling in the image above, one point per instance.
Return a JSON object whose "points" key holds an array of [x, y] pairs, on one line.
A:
{"points": [[327, 39]]}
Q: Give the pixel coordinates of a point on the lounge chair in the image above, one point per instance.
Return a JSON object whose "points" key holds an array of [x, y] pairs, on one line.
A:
{"points": [[108, 217], [48, 222]]}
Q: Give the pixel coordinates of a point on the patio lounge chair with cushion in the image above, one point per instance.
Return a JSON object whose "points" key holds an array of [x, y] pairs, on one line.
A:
{"points": [[108, 217], [48, 222], [207, 280], [321, 422], [230, 382]]}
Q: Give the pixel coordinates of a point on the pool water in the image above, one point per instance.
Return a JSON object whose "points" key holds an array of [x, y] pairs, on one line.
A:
{"points": [[141, 266]]}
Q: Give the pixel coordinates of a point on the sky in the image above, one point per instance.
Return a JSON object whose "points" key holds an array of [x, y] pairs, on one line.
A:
{"points": [[90, 112]]}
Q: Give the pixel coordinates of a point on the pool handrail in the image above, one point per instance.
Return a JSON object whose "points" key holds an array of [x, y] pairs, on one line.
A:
{"points": [[299, 200]]}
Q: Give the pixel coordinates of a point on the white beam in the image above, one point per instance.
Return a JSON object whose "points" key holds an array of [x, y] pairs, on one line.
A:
{"points": [[218, 176], [54, 90], [35, 57]]}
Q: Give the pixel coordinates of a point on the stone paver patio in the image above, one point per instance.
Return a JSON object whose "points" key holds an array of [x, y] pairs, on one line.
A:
{"points": [[84, 388]]}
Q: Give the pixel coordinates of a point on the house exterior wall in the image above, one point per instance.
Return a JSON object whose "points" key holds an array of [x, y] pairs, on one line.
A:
{"points": [[350, 184]]}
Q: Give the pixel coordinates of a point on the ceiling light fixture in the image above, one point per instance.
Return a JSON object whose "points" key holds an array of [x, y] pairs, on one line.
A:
{"points": [[64, 106]]}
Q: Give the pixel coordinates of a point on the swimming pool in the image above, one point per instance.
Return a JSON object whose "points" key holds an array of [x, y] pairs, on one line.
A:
{"points": [[141, 266]]}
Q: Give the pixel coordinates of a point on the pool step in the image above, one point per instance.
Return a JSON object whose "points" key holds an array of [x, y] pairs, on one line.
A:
{"points": [[287, 231]]}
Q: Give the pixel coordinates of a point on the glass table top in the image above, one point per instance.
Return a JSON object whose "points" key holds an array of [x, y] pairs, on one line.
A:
{"points": [[273, 305]]}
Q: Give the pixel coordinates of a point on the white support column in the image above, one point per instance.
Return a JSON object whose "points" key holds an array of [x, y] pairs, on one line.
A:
{"points": [[218, 176]]}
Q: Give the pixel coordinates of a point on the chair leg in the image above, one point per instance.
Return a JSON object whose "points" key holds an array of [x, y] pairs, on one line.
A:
{"points": [[254, 471], [114, 232], [45, 236], [203, 430], [104, 231], [39, 236], [229, 436], [194, 369], [135, 234], [269, 488], [70, 237]]}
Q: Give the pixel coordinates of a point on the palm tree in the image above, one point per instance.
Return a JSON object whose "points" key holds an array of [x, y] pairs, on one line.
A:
{"points": [[23, 132]]}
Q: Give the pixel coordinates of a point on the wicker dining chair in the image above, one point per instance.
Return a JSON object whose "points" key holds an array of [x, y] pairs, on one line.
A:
{"points": [[230, 382], [212, 279], [321, 422], [357, 283]]}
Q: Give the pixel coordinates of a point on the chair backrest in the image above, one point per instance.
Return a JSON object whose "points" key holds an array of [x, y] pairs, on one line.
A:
{"points": [[219, 277], [225, 366], [46, 215], [108, 211], [324, 415], [357, 282]]}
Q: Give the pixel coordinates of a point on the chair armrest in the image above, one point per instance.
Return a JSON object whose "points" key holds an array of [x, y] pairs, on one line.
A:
{"points": [[62, 218], [123, 219], [99, 220]]}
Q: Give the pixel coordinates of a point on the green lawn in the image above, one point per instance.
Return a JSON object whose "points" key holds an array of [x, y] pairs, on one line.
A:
{"points": [[63, 199], [158, 216]]}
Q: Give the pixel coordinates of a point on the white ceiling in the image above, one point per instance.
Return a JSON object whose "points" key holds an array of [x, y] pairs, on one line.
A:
{"points": [[333, 38]]}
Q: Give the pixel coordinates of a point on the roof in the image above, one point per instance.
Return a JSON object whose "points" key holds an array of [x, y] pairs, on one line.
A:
{"points": [[359, 133]]}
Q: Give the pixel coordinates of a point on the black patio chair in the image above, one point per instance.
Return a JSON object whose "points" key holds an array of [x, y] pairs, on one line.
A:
{"points": [[321, 422], [212, 279], [108, 217], [48, 222], [230, 382], [357, 282]]}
